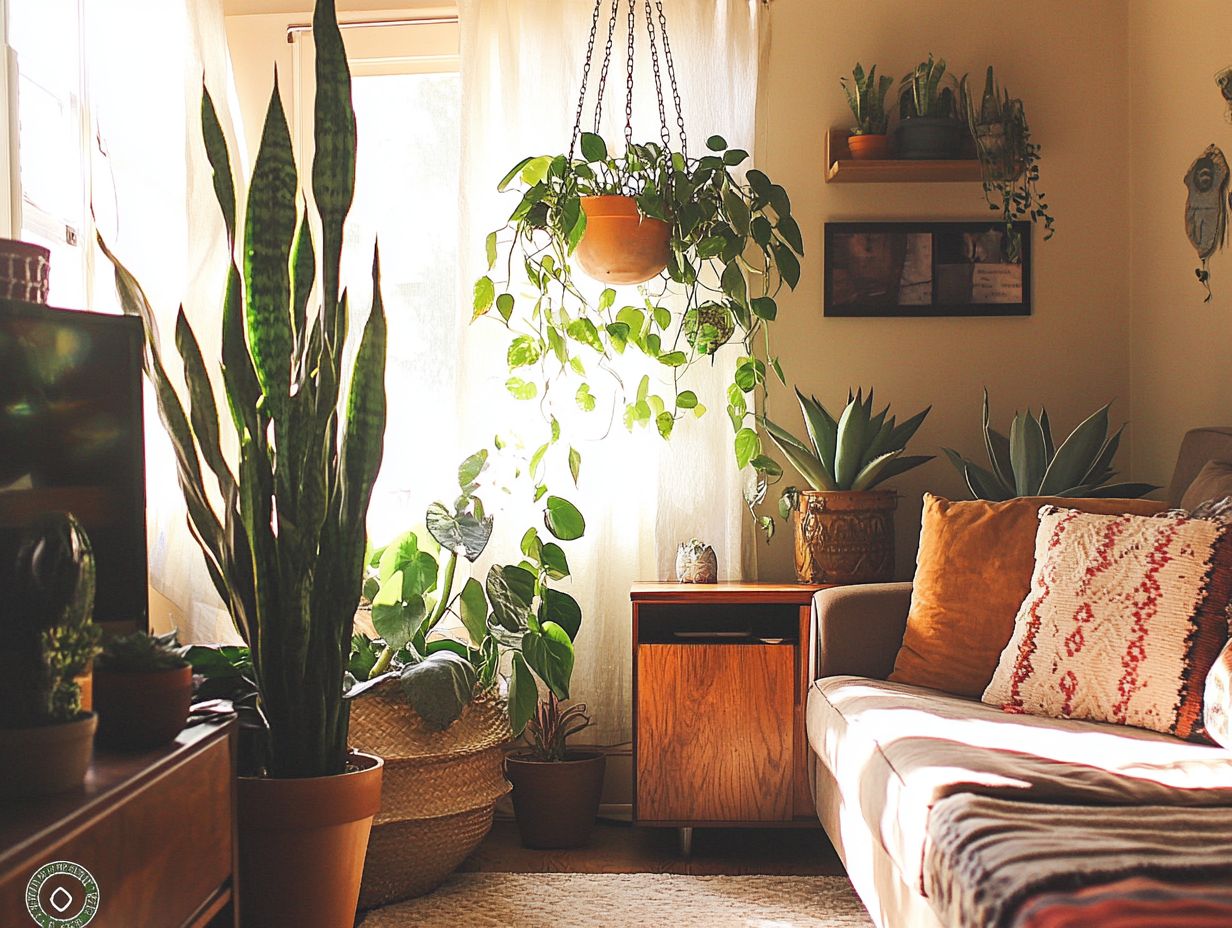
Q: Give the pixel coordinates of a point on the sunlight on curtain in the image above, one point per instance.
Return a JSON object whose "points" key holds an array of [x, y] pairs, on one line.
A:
{"points": [[154, 202], [522, 62]]}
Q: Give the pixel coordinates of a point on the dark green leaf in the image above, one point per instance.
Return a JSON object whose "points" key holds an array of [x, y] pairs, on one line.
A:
{"points": [[440, 687]]}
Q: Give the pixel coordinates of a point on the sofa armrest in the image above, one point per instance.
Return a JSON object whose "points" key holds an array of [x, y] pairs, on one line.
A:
{"points": [[858, 629]]}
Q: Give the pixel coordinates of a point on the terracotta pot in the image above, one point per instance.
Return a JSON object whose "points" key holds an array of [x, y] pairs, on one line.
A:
{"points": [[930, 138], [24, 271], [141, 710], [556, 801], [845, 536], [302, 846], [47, 759], [869, 147], [620, 246]]}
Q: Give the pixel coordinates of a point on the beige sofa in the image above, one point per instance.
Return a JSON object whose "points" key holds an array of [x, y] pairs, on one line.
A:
{"points": [[885, 754]]}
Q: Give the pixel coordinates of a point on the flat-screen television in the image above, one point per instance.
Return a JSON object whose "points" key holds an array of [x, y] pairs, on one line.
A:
{"points": [[71, 439]]}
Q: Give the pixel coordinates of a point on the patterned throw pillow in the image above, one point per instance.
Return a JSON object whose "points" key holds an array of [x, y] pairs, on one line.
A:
{"points": [[1218, 700], [1125, 618]]}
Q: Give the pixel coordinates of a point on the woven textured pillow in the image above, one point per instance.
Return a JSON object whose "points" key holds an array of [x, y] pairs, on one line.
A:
{"points": [[1125, 618], [1217, 700]]}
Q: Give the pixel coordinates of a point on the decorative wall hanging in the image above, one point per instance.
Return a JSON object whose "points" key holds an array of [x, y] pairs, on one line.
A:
{"points": [[718, 238], [927, 269], [1206, 216]]}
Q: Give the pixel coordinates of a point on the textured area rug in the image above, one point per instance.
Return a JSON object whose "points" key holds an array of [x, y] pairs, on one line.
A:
{"points": [[629, 900]]}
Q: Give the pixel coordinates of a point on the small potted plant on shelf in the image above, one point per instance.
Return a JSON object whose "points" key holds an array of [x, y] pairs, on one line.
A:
{"points": [[142, 690], [1030, 463], [929, 125], [556, 791], [1009, 160], [281, 521], [866, 95], [47, 638], [844, 528]]}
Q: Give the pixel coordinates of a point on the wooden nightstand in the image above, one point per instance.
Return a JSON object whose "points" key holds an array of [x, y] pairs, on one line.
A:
{"points": [[720, 673]]}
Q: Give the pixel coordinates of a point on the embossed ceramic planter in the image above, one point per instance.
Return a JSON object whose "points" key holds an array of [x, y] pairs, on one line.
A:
{"points": [[845, 536]]}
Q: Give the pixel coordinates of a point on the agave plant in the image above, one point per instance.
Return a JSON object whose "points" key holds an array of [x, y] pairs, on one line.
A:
{"points": [[866, 96], [1029, 463], [856, 451], [285, 549]]}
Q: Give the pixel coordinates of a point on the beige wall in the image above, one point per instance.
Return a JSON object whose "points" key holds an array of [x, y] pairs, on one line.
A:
{"points": [[1067, 61], [1180, 369]]}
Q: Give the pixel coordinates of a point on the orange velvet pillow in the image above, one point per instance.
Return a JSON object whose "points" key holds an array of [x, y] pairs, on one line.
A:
{"points": [[972, 573]]}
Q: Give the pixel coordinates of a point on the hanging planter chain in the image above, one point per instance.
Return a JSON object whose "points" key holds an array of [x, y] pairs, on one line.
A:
{"points": [[654, 36]]}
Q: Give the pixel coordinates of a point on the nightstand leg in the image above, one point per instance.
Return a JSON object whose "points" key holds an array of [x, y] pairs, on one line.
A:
{"points": [[686, 841]]}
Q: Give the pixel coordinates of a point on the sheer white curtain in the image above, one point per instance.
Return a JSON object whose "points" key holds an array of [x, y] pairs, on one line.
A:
{"points": [[521, 66], [154, 204]]}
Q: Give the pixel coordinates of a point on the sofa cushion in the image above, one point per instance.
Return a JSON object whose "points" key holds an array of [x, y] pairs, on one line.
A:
{"points": [[895, 750], [1125, 618], [972, 573], [1214, 481]]}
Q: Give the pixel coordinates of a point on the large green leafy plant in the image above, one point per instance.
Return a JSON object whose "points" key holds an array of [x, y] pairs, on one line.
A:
{"points": [[1030, 463], [733, 246], [446, 643], [284, 535]]}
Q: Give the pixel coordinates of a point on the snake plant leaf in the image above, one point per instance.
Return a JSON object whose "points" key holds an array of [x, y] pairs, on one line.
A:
{"points": [[203, 411], [242, 387], [269, 232], [303, 276], [1074, 456], [439, 687], [869, 474], [1027, 454], [220, 161], [523, 694], [333, 162]]}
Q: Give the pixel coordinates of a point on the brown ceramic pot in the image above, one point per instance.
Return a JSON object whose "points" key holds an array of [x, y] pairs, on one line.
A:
{"points": [[556, 801], [621, 246], [869, 147], [47, 759], [845, 536], [141, 710], [302, 846]]}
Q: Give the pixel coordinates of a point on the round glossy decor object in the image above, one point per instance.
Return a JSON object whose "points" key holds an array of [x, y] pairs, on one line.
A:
{"points": [[46, 759], [845, 536], [303, 843], [869, 147], [620, 246], [696, 563], [556, 801], [141, 709]]}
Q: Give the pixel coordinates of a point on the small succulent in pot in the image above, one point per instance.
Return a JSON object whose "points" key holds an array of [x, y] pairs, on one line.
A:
{"points": [[696, 562], [1029, 463], [866, 95], [142, 690]]}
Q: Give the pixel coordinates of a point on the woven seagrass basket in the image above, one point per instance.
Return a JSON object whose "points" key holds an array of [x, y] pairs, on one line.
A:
{"points": [[439, 792]]}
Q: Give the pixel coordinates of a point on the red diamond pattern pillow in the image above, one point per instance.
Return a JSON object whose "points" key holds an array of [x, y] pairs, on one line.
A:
{"points": [[1125, 617]]}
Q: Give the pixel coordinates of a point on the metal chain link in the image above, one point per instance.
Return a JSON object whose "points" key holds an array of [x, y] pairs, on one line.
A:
{"points": [[629, 79], [671, 76], [607, 61], [590, 50], [664, 134]]}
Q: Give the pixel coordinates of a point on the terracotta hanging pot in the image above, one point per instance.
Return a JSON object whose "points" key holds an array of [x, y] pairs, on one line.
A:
{"points": [[620, 245], [556, 801], [869, 147], [142, 709], [302, 845], [845, 536], [45, 759]]}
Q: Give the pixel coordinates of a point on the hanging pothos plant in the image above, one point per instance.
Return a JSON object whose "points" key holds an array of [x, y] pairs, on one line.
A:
{"points": [[731, 244]]}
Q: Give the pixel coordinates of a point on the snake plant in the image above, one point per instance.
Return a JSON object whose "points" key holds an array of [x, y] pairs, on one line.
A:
{"points": [[1029, 463], [923, 93], [866, 96], [855, 451], [285, 549]]}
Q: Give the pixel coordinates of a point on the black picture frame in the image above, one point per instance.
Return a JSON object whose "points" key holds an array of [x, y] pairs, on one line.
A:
{"points": [[961, 269]]}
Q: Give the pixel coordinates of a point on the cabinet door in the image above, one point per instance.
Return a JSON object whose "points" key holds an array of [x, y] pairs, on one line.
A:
{"points": [[714, 732]]}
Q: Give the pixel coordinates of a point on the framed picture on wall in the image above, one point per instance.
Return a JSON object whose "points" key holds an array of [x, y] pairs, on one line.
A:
{"points": [[927, 269]]}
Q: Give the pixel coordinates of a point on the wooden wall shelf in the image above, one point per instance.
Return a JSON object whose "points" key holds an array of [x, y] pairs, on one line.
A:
{"points": [[841, 168]]}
